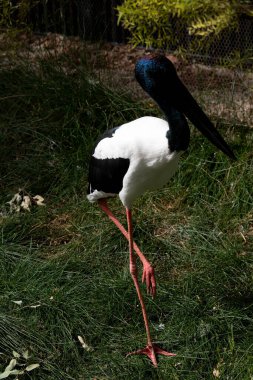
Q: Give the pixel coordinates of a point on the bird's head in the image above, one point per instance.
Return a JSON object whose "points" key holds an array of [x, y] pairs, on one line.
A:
{"points": [[155, 73], [158, 77]]}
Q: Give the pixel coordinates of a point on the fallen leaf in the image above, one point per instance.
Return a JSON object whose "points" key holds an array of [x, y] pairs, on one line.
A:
{"points": [[17, 372], [15, 354], [32, 367], [35, 306], [216, 372], [26, 203], [4, 374], [39, 200], [84, 345], [25, 354], [18, 302], [11, 365]]}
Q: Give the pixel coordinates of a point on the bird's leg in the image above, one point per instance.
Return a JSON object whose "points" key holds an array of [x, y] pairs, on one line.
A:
{"points": [[151, 349], [148, 275]]}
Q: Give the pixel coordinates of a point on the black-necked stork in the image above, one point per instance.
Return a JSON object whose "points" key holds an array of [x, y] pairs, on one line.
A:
{"points": [[143, 154]]}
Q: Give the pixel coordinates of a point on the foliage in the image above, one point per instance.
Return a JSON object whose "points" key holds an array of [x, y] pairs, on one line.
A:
{"points": [[14, 15], [66, 295], [164, 24]]}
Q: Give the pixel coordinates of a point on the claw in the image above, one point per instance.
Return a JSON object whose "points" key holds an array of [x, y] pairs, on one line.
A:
{"points": [[148, 276], [150, 351]]}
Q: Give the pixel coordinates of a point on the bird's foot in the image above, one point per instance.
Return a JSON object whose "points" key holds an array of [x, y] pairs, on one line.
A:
{"points": [[148, 276], [151, 351]]}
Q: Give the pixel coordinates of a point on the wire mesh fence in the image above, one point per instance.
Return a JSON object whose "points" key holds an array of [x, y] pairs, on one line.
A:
{"points": [[96, 20], [221, 77]]}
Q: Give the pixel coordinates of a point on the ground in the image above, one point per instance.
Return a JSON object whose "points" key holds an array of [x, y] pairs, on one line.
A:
{"points": [[224, 92], [68, 309]]}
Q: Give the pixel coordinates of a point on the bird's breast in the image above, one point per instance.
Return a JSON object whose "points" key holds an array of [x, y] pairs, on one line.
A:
{"points": [[147, 175]]}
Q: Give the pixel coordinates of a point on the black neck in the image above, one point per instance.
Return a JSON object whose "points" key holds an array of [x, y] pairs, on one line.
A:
{"points": [[179, 132]]}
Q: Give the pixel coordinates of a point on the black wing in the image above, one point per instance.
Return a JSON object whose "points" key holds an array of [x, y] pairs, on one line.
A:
{"points": [[107, 174]]}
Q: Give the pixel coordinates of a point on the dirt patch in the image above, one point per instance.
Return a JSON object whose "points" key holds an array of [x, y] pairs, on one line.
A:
{"points": [[223, 92]]}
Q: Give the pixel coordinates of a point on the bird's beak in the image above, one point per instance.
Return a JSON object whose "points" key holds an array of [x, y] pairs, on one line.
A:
{"points": [[188, 105]]}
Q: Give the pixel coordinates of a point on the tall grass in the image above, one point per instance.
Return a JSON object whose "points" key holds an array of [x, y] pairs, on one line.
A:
{"points": [[69, 266]]}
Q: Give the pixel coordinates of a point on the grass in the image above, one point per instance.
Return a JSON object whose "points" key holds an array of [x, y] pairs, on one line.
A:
{"points": [[69, 266]]}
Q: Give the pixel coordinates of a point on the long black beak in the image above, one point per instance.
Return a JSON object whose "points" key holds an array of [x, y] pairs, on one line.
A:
{"points": [[186, 104], [157, 75]]}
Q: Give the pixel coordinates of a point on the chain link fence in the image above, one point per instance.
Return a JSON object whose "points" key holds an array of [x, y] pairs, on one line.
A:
{"points": [[221, 78]]}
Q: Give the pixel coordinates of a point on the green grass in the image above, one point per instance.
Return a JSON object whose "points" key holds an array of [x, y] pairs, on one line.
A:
{"points": [[69, 266]]}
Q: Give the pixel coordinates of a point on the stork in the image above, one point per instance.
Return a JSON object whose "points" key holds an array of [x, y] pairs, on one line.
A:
{"points": [[143, 155]]}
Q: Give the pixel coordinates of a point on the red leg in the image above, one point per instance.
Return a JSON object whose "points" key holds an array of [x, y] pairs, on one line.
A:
{"points": [[148, 274], [151, 349]]}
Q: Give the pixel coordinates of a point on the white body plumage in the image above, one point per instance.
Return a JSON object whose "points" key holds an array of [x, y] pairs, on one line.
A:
{"points": [[151, 163]]}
